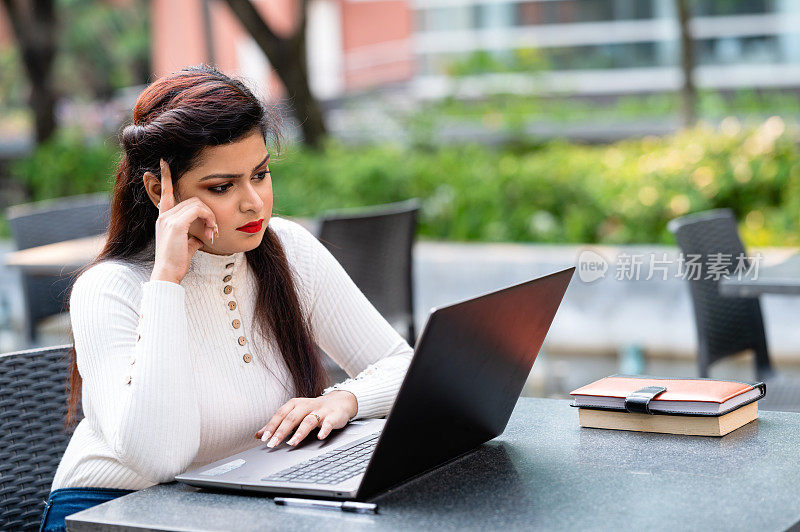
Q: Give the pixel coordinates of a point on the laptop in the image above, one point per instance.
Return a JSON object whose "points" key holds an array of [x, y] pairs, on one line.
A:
{"points": [[470, 364]]}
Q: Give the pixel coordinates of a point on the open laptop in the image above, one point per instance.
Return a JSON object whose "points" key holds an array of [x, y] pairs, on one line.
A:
{"points": [[468, 370]]}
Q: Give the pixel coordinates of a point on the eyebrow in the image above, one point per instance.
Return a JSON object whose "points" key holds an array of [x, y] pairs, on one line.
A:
{"points": [[233, 176]]}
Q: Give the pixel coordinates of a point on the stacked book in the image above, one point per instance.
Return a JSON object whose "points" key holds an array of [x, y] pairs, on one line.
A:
{"points": [[701, 407]]}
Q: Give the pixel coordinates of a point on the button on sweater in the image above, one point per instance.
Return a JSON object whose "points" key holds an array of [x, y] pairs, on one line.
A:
{"points": [[176, 376]]}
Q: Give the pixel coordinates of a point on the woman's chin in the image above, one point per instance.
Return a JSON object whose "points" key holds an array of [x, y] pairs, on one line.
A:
{"points": [[252, 241]]}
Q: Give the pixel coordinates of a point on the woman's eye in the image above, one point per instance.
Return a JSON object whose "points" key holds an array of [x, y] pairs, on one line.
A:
{"points": [[220, 190]]}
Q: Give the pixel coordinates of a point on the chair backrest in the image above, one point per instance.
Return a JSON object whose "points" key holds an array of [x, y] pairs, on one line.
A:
{"points": [[46, 222], [33, 395], [374, 245], [725, 325]]}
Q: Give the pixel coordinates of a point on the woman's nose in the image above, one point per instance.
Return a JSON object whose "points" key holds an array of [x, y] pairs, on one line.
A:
{"points": [[252, 200]]}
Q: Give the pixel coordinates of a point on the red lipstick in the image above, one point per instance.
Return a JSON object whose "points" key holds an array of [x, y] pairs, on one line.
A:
{"points": [[252, 227]]}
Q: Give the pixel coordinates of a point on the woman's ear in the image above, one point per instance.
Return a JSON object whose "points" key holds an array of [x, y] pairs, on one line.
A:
{"points": [[152, 186]]}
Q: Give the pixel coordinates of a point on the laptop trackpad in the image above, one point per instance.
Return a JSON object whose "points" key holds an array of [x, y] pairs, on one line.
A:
{"points": [[350, 432], [261, 460]]}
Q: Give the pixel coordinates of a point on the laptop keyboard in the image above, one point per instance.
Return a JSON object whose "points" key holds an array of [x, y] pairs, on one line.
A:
{"points": [[331, 467]]}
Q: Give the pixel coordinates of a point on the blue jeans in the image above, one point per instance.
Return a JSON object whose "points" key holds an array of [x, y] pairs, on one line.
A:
{"points": [[66, 501]]}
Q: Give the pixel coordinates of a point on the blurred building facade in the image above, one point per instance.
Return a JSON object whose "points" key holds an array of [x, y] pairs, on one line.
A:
{"points": [[351, 44], [585, 46], [612, 46]]}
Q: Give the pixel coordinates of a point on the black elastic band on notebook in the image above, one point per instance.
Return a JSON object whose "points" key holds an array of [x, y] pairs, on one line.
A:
{"points": [[638, 402]]}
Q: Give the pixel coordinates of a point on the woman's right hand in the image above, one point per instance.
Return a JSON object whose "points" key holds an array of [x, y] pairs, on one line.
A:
{"points": [[175, 246]]}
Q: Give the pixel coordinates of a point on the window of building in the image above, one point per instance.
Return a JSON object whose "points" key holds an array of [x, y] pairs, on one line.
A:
{"points": [[531, 13], [732, 7]]}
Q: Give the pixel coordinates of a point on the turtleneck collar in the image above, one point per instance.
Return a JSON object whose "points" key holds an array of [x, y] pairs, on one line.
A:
{"points": [[205, 265], [216, 266]]}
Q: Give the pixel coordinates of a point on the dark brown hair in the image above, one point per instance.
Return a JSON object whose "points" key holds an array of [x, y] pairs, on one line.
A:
{"points": [[175, 118]]}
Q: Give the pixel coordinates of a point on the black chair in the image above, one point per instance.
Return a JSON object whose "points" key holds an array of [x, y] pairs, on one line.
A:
{"points": [[727, 325], [46, 222], [33, 403], [375, 247]]}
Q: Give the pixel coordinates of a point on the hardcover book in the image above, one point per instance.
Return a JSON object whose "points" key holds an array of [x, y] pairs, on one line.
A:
{"points": [[703, 407]]}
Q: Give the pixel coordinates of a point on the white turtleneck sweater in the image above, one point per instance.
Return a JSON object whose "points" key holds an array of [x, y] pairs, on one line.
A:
{"points": [[176, 376]]}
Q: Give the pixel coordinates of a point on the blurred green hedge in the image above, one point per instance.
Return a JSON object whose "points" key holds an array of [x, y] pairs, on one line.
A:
{"points": [[66, 165], [560, 192], [556, 192]]}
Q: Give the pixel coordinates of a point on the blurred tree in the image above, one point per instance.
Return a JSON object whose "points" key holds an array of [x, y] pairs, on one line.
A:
{"points": [[73, 48], [34, 25], [688, 89], [287, 55], [103, 46]]}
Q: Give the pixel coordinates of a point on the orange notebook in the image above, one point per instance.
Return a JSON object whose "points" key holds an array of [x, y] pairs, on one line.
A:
{"points": [[675, 396]]}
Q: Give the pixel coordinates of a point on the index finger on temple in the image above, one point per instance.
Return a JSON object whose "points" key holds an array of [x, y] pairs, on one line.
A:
{"points": [[167, 200]]}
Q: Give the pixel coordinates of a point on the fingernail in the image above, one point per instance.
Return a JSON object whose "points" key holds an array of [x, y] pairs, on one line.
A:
{"points": [[273, 442], [292, 441], [266, 436]]}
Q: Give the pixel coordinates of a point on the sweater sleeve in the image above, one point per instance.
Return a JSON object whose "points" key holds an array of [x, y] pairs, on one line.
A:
{"points": [[354, 334], [131, 340]]}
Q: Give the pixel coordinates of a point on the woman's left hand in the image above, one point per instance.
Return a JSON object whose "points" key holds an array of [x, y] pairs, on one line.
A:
{"points": [[334, 409]]}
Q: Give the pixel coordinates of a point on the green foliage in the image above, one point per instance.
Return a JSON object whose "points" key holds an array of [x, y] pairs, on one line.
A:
{"points": [[66, 165], [528, 60], [12, 88], [555, 192], [559, 192], [102, 46], [558, 109]]}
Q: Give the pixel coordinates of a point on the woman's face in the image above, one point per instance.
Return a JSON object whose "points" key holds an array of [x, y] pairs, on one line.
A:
{"points": [[234, 181]]}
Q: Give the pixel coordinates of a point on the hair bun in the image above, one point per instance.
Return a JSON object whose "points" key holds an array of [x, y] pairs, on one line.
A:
{"points": [[132, 135]]}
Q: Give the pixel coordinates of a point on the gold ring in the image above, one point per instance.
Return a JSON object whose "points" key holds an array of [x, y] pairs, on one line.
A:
{"points": [[316, 416]]}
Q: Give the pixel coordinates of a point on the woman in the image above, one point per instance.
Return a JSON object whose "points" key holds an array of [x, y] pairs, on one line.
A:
{"points": [[197, 325]]}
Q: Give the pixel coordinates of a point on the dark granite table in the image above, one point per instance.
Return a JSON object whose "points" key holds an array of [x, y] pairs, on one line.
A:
{"points": [[544, 472], [782, 278]]}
